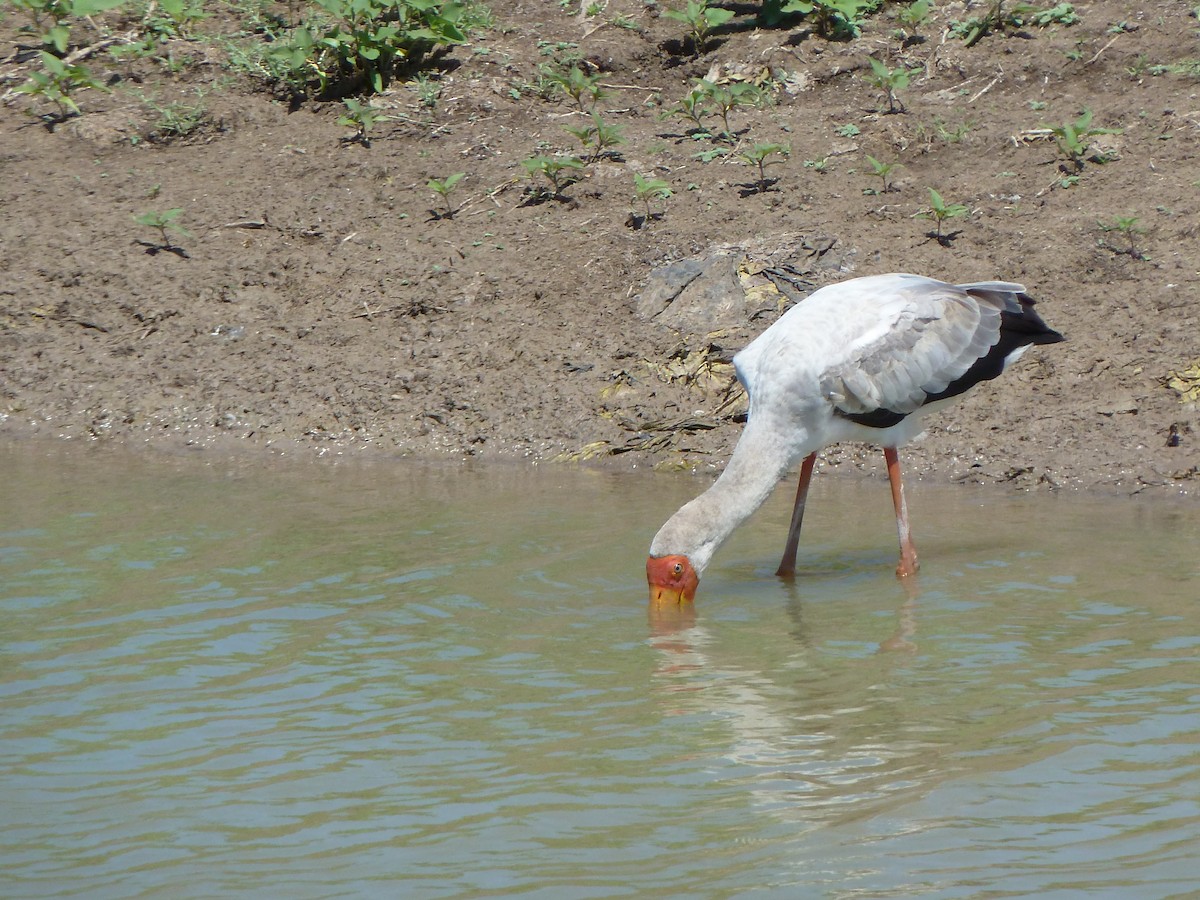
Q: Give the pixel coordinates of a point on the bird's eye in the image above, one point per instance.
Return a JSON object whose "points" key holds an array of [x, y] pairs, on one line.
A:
{"points": [[677, 568]]}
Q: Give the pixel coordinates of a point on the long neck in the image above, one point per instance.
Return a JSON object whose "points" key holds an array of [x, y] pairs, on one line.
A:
{"points": [[758, 462]]}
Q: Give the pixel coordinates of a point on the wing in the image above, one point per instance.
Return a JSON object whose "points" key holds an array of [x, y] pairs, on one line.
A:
{"points": [[915, 338]]}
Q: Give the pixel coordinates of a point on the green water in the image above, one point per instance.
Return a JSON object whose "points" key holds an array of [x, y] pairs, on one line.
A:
{"points": [[400, 680]]}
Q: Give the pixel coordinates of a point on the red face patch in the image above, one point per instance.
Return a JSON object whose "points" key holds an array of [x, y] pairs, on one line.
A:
{"points": [[672, 579]]}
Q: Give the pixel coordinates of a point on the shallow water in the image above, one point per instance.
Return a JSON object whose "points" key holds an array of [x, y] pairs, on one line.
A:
{"points": [[435, 682]]}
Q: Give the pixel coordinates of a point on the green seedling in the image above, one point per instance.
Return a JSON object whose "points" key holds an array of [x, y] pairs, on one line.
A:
{"points": [[997, 18], [51, 19], [1127, 226], [834, 19], [939, 211], [701, 19], [164, 223], [647, 189], [443, 188], [598, 137], [1062, 14], [693, 108], [759, 156], [820, 166], [889, 81], [360, 42], [914, 15], [849, 130], [362, 117], [177, 119], [57, 81], [560, 171], [881, 171], [728, 97], [584, 89], [1072, 138], [774, 12]]}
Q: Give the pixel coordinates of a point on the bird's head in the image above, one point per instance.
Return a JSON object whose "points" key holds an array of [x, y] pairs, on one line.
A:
{"points": [[672, 579]]}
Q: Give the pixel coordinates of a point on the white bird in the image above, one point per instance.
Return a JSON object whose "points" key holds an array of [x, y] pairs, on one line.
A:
{"points": [[862, 360]]}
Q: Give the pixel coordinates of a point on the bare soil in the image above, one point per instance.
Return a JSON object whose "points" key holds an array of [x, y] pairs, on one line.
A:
{"points": [[321, 303]]}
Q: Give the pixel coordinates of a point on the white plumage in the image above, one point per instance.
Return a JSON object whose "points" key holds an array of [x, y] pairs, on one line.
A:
{"points": [[861, 360]]}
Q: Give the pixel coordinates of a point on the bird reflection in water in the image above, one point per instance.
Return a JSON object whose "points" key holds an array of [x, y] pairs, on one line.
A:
{"points": [[673, 625]]}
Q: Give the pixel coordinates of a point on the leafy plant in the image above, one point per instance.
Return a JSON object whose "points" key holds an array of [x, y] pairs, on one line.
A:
{"points": [[1072, 138], [1062, 14], [693, 108], [889, 81], [728, 97], [443, 188], [774, 12], [362, 117], [57, 81], [952, 134], [834, 19], [363, 41], [915, 14], [849, 130], [939, 211], [701, 19], [176, 118], [164, 223], [998, 19], [647, 189], [881, 171], [176, 17], [560, 171], [759, 156], [820, 166], [1127, 226], [577, 84], [973, 30], [598, 137], [51, 18]]}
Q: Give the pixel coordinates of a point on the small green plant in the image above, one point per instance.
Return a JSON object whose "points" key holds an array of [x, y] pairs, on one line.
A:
{"points": [[1072, 138], [176, 119], [362, 117], [973, 30], [559, 171], [51, 19], [429, 90], [164, 223], [581, 87], [836, 19], [914, 15], [701, 19], [889, 81], [693, 108], [939, 211], [728, 97], [647, 189], [881, 171], [997, 18], [820, 166], [1062, 14], [849, 130], [1128, 227], [360, 42], [444, 188], [952, 134], [759, 156], [599, 137], [57, 81], [174, 18]]}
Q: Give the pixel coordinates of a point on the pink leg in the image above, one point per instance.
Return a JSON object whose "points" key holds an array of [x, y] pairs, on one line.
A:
{"points": [[908, 553], [787, 568]]}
